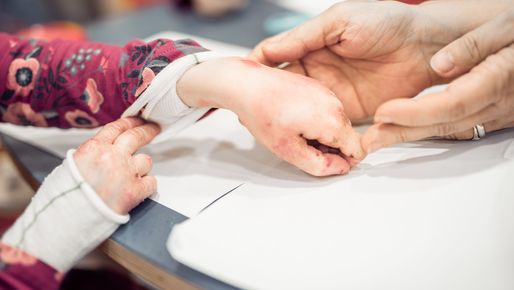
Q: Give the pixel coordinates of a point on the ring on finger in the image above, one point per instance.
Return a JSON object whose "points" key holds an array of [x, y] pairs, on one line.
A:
{"points": [[478, 132]]}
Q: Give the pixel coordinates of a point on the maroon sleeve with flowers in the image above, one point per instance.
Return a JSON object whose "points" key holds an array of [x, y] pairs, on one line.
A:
{"points": [[78, 84], [71, 84], [20, 271]]}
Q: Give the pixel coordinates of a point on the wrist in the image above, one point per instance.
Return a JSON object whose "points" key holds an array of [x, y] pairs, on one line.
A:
{"points": [[434, 32], [64, 221], [462, 16], [212, 84]]}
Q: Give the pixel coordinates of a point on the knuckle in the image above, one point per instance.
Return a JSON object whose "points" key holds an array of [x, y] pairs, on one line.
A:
{"points": [[472, 48], [105, 158], [444, 129], [402, 136], [136, 134], [89, 146], [115, 126]]}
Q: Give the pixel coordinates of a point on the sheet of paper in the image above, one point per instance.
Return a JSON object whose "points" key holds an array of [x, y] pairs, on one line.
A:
{"points": [[426, 215], [193, 169]]}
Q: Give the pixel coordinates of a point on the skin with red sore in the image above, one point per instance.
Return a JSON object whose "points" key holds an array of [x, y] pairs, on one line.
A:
{"points": [[109, 164], [280, 109]]}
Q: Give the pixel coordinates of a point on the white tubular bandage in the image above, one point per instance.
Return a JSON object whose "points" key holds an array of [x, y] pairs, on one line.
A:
{"points": [[65, 220], [161, 102]]}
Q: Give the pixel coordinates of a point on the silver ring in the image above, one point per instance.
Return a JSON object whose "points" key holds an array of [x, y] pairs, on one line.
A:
{"points": [[478, 132]]}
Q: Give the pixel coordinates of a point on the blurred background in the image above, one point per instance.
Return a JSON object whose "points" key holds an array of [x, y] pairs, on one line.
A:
{"points": [[78, 18], [16, 14]]}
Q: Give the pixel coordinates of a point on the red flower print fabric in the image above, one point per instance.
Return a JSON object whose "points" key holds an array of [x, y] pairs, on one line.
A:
{"points": [[22, 76], [78, 84], [71, 84]]}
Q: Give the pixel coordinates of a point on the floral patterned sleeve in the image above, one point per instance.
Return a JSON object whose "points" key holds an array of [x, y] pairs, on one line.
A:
{"points": [[78, 84], [20, 271]]}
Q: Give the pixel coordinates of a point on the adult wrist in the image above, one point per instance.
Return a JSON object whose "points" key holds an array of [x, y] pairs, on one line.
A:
{"points": [[462, 16]]}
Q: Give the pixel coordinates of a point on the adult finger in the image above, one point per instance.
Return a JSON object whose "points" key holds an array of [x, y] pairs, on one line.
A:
{"points": [[111, 131], [383, 135], [142, 164], [132, 140], [489, 127], [257, 53], [472, 48], [323, 30], [463, 97]]}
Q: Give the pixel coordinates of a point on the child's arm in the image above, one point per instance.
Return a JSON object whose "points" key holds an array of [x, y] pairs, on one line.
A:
{"points": [[69, 84], [78, 84], [79, 205]]}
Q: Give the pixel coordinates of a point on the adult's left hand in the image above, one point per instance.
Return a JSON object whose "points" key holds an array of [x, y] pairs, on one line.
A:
{"points": [[483, 95]]}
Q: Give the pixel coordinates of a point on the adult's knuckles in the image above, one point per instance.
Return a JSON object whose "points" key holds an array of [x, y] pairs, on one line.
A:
{"points": [[469, 50], [444, 130]]}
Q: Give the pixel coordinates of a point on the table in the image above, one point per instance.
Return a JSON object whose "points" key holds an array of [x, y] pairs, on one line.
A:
{"points": [[140, 245]]}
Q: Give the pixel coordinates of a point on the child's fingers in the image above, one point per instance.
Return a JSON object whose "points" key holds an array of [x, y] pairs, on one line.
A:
{"points": [[142, 164], [147, 186], [132, 140], [313, 161], [337, 132], [111, 131]]}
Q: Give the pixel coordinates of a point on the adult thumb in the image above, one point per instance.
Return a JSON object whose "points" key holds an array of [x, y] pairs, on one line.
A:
{"points": [[471, 49], [312, 35]]}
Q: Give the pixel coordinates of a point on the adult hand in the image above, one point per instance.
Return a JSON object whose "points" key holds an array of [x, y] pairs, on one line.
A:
{"points": [[107, 163], [484, 95], [286, 112], [366, 52]]}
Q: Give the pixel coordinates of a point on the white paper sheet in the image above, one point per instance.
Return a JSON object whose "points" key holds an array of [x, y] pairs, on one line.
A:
{"points": [[428, 215], [194, 168]]}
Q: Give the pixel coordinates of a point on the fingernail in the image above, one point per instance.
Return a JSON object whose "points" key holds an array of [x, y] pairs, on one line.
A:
{"points": [[442, 62], [382, 119]]}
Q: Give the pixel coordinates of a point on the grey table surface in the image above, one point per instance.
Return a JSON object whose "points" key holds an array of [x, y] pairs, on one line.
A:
{"points": [[151, 223]]}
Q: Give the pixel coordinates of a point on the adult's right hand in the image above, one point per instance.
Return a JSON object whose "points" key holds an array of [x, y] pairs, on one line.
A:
{"points": [[365, 52]]}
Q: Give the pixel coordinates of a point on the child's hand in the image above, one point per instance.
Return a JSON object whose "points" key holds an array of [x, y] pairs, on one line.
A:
{"points": [[107, 163], [281, 109]]}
